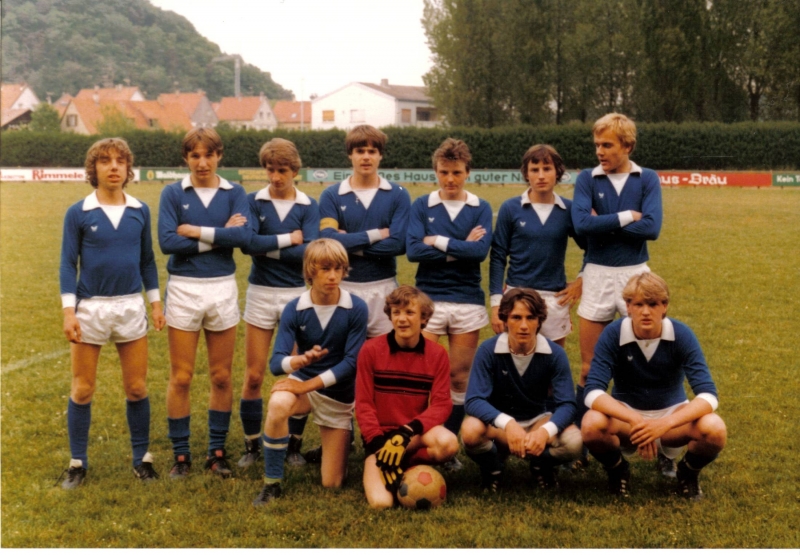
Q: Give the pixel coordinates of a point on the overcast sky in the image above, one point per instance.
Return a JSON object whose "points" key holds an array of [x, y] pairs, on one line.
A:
{"points": [[316, 46]]}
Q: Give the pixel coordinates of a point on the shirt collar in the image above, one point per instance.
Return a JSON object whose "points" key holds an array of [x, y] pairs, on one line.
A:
{"points": [[186, 182], [299, 198], [91, 202], [542, 346], [345, 300], [525, 199], [626, 334], [599, 169], [435, 198], [394, 347], [344, 186]]}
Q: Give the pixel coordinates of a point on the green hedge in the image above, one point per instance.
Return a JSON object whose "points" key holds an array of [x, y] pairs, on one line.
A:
{"points": [[662, 146]]}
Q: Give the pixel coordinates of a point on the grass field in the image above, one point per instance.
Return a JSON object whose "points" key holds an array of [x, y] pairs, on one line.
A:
{"points": [[730, 256]]}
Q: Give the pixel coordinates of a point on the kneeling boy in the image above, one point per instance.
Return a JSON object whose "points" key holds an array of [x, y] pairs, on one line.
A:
{"points": [[402, 397]]}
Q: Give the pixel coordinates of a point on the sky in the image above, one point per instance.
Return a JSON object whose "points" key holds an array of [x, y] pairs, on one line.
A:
{"points": [[317, 46]]}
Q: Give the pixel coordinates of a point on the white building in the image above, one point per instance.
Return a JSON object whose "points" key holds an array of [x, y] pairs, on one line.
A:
{"points": [[376, 105]]}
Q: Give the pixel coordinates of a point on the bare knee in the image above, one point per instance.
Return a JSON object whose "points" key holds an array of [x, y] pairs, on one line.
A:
{"points": [[713, 430], [82, 390], [220, 379], [136, 390], [380, 502], [280, 406], [473, 431], [253, 381], [594, 427]]}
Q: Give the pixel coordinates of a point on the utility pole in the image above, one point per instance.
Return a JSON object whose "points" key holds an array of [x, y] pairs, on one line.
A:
{"points": [[237, 71]]}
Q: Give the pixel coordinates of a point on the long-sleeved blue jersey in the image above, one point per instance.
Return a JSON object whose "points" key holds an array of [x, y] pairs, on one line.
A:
{"points": [[181, 205], [112, 262], [341, 209], [609, 243], [453, 275], [274, 266]]}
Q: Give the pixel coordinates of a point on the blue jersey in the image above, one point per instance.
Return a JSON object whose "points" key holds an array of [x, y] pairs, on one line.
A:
{"points": [[341, 209], [191, 257], [343, 337], [654, 384], [497, 388], [276, 265], [453, 274], [535, 252], [98, 260], [609, 243]]}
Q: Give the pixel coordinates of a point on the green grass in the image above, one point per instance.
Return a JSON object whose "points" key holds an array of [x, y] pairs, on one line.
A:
{"points": [[730, 256]]}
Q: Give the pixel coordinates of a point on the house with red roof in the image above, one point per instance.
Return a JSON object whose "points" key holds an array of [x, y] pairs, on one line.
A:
{"points": [[378, 105], [247, 112], [84, 116], [293, 114], [17, 101], [196, 105]]}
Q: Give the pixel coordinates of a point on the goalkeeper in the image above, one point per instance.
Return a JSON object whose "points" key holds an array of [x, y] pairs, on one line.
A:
{"points": [[402, 398]]}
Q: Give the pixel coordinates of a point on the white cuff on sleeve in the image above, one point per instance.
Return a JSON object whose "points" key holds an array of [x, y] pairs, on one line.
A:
{"points": [[712, 400], [69, 300], [153, 296], [502, 420], [284, 240], [328, 378], [551, 428], [625, 218], [274, 254], [592, 396], [441, 243], [374, 235], [494, 300], [286, 365], [207, 235], [204, 247]]}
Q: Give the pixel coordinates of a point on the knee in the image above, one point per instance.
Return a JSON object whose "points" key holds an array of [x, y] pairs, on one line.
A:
{"points": [[570, 444], [332, 481], [459, 377], [380, 502], [279, 407], [473, 432], [82, 390], [593, 426], [713, 430], [136, 391], [253, 381], [220, 378], [445, 446], [181, 380]]}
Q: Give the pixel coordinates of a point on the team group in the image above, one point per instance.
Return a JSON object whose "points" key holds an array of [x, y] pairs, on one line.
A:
{"points": [[351, 342]]}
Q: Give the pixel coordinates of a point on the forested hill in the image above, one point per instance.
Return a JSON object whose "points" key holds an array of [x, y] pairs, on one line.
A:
{"points": [[59, 46]]}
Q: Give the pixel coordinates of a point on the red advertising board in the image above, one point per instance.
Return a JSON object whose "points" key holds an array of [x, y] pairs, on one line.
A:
{"points": [[715, 179]]}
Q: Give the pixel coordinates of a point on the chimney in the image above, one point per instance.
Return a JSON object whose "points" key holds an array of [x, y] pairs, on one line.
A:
{"points": [[384, 82], [96, 95]]}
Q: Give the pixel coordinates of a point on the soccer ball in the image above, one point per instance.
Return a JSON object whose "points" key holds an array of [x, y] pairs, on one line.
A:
{"points": [[422, 488]]}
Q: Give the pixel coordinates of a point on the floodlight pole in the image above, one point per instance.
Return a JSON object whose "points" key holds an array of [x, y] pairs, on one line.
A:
{"points": [[237, 71]]}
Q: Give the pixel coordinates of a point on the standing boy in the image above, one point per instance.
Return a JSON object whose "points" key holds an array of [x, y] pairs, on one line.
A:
{"points": [[328, 326], [106, 257], [449, 234], [402, 398]]}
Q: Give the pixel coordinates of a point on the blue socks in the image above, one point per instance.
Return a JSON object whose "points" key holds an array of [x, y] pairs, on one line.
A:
{"points": [[251, 411], [274, 456], [218, 424], [297, 424], [79, 418], [179, 435], [138, 413]]}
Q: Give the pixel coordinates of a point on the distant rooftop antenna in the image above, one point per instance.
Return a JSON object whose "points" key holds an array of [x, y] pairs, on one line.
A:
{"points": [[237, 71]]}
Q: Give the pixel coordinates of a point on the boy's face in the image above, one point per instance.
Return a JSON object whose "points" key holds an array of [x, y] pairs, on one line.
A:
{"points": [[407, 323], [541, 176], [452, 175], [522, 325], [281, 178], [327, 278], [646, 317], [112, 169], [366, 160], [613, 156], [203, 162]]}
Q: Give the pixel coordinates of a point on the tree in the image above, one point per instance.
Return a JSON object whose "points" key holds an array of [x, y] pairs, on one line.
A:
{"points": [[114, 123], [45, 118]]}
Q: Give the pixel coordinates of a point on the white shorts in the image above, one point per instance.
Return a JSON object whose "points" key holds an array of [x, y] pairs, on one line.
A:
{"points": [[116, 319], [373, 293], [456, 318], [202, 303], [671, 452], [329, 412], [264, 305], [601, 298], [558, 324]]}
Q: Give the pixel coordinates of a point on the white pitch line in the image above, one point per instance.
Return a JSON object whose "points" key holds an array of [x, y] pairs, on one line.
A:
{"points": [[24, 363]]}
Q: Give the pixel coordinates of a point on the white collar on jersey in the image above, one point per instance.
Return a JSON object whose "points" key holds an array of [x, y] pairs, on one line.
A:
{"points": [[299, 196], [186, 182], [525, 199], [542, 346], [435, 198], [599, 169], [345, 187], [91, 202], [626, 334], [345, 300]]}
